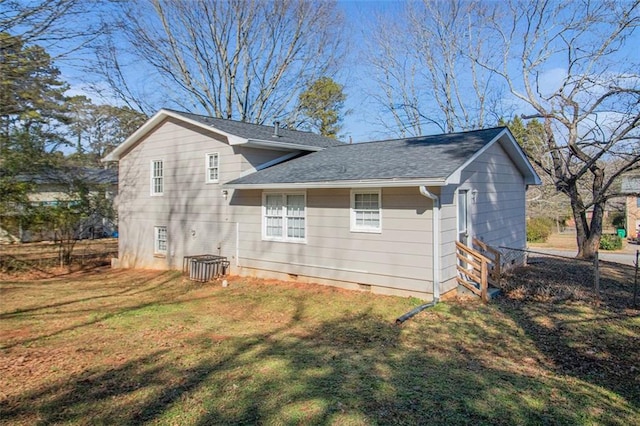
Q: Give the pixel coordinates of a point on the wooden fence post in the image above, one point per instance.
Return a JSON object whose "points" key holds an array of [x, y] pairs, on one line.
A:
{"points": [[484, 282], [635, 281], [596, 270]]}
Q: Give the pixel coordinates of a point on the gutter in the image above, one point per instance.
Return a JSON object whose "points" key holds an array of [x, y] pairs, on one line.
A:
{"points": [[371, 183], [261, 143], [436, 256]]}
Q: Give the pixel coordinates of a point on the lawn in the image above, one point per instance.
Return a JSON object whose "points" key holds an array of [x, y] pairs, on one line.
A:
{"points": [[127, 347]]}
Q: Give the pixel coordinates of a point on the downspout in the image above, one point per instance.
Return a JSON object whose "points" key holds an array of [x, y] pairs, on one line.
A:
{"points": [[436, 240], [436, 257]]}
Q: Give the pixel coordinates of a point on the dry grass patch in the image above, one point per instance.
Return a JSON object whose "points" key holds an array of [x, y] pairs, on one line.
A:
{"points": [[130, 347]]}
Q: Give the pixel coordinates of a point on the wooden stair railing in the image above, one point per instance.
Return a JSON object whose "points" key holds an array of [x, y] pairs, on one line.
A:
{"points": [[495, 272], [474, 268]]}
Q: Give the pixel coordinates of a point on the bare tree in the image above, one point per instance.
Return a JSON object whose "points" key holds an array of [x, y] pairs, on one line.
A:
{"points": [[65, 26], [543, 201], [574, 65], [422, 67], [239, 59]]}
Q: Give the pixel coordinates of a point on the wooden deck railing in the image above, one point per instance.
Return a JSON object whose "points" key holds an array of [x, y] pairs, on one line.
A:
{"points": [[475, 270], [495, 271]]}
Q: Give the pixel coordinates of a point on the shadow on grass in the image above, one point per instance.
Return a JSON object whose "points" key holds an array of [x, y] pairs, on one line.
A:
{"points": [[114, 309], [357, 368], [595, 340], [134, 288]]}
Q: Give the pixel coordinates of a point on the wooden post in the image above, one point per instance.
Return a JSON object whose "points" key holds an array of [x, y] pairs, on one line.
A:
{"points": [[596, 271], [484, 285], [635, 281]]}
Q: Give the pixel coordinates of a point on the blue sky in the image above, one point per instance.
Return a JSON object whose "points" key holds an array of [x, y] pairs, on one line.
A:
{"points": [[361, 123]]}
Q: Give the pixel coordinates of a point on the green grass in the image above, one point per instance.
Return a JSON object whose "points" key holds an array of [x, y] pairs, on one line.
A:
{"points": [[130, 347]]}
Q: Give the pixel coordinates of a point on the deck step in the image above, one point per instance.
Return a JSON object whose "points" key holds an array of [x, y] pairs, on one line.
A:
{"points": [[494, 292]]}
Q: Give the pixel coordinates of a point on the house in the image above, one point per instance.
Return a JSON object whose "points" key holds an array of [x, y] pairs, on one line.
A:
{"points": [[54, 186], [631, 187], [380, 216]]}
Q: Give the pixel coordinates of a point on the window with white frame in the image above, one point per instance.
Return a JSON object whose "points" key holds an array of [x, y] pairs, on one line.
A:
{"points": [[284, 216], [157, 177], [160, 240], [213, 167], [366, 211]]}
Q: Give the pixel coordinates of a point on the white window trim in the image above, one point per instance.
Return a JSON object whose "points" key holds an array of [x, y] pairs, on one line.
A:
{"points": [[352, 212], [156, 246], [284, 237], [207, 168], [152, 177]]}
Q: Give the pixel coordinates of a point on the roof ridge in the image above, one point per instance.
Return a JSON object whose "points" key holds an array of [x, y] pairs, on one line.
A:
{"points": [[247, 123], [435, 135]]}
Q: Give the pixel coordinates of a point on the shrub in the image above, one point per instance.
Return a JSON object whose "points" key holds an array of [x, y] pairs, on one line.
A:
{"points": [[610, 242], [539, 229], [618, 220]]}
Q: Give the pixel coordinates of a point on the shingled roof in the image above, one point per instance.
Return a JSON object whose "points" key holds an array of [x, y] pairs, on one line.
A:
{"points": [[237, 132], [429, 158], [67, 175], [263, 133]]}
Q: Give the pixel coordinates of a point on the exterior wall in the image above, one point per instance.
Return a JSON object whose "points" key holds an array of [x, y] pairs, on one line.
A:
{"points": [[49, 193], [196, 213], [633, 217], [498, 214], [396, 261], [251, 157]]}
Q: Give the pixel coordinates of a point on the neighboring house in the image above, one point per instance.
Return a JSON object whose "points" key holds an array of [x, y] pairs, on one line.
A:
{"points": [[381, 216], [631, 186], [53, 187]]}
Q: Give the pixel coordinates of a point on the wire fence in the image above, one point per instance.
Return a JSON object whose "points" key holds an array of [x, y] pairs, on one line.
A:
{"points": [[23, 257], [587, 272]]}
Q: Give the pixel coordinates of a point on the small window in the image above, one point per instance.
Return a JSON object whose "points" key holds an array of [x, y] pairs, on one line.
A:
{"points": [[366, 211], [638, 202], [160, 240], [463, 217], [462, 212], [284, 217], [157, 177], [213, 168]]}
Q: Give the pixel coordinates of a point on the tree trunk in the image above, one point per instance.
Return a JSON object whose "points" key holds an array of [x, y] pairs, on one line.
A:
{"points": [[587, 234]]}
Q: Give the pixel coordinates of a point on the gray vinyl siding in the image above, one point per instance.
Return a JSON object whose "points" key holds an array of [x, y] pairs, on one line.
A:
{"points": [[397, 258], [252, 157], [497, 216], [197, 217], [448, 237]]}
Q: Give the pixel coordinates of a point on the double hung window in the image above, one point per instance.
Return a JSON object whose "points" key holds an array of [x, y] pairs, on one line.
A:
{"points": [[157, 177], [213, 168], [160, 240], [366, 211], [284, 217]]}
